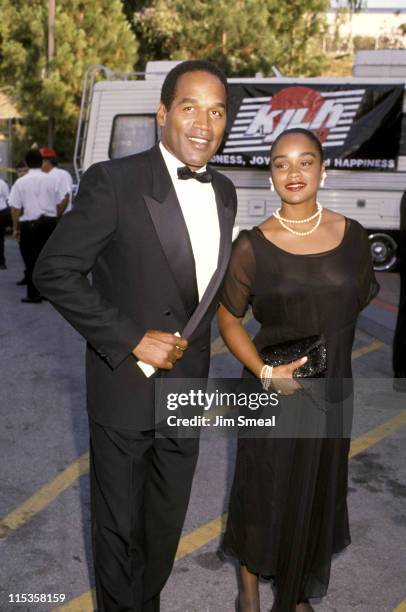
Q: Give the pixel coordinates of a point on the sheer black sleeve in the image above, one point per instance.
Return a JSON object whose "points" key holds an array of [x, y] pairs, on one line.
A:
{"points": [[368, 285], [236, 291]]}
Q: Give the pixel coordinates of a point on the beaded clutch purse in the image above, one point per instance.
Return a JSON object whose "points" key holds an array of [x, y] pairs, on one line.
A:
{"points": [[313, 347]]}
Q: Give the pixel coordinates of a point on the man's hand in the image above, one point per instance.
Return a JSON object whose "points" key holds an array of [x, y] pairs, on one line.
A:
{"points": [[160, 349], [282, 377], [62, 206], [15, 216]]}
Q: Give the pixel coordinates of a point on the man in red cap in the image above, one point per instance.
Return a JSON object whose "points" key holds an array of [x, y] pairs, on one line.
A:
{"points": [[61, 179]]}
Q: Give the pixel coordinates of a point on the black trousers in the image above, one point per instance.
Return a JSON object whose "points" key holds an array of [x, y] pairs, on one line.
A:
{"points": [[33, 237], [4, 222], [140, 489]]}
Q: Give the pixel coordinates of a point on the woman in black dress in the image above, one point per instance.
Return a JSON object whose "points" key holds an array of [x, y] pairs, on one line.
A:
{"points": [[305, 272]]}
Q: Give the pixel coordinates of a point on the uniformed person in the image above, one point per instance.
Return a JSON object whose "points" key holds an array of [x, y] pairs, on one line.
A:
{"points": [[4, 216], [33, 208], [62, 180]]}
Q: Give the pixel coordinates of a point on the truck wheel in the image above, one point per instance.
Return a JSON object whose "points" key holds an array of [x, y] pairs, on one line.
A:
{"points": [[384, 251]]}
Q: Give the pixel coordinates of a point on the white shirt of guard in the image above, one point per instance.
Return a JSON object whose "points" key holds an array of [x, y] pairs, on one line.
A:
{"points": [[4, 194], [199, 208], [34, 192], [63, 184]]}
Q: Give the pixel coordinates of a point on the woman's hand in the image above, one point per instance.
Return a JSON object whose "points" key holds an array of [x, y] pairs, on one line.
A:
{"points": [[242, 347], [282, 380]]}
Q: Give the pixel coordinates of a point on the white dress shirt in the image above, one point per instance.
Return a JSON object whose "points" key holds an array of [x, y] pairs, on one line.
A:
{"points": [[198, 204], [63, 184], [4, 194], [34, 192]]}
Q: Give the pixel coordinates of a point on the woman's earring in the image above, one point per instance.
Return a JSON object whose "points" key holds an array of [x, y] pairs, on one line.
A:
{"points": [[323, 178], [271, 186]]}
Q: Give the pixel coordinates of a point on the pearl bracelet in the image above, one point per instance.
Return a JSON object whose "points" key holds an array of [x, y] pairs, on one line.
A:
{"points": [[266, 376]]}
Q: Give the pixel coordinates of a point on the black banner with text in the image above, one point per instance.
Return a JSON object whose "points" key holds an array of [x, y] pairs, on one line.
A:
{"points": [[359, 125]]}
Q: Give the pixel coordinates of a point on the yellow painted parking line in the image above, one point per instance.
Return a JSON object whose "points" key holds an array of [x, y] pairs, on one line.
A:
{"points": [[44, 496], [208, 532], [187, 545], [83, 603], [377, 434], [368, 348], [200, 536]]}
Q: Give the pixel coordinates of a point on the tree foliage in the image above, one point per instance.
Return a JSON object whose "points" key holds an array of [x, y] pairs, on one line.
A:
{"points": [[243, 37], [132, 6], [95, 31]]}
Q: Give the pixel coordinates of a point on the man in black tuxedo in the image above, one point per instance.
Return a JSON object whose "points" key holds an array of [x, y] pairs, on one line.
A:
{"points": [[155, 230]]}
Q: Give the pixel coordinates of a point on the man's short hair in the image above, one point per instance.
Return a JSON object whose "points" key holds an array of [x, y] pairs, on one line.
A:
{"points": [[168, 90], [33, 159]]}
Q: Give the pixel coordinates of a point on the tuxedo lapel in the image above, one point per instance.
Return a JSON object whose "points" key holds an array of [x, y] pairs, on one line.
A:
{"points": [[170, 226], [226, 220]]}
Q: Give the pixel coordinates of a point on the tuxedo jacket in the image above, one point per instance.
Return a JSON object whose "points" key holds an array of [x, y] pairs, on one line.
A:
{"points": [[128, 231]]}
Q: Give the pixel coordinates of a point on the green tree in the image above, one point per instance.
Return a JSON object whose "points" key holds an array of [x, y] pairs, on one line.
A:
{"points": [[300, 26], [242, 37], [132, 6], [95, 31]]}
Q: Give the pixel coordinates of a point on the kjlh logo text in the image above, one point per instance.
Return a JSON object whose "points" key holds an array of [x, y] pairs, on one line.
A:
{"points": [[260, 120]]}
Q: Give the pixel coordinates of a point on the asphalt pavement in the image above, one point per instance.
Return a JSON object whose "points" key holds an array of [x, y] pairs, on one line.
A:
{"points": [[44, 487]]}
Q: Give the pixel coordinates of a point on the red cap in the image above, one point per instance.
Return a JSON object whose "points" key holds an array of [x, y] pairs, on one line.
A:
{"points": [[46, 152]]}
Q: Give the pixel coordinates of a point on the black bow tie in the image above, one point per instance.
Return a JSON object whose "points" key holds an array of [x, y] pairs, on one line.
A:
{"points": [[185, 173]]}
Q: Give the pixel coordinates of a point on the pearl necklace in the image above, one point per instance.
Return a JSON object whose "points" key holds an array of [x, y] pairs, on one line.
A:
{"points": [[319, 208], [283, 221]]}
